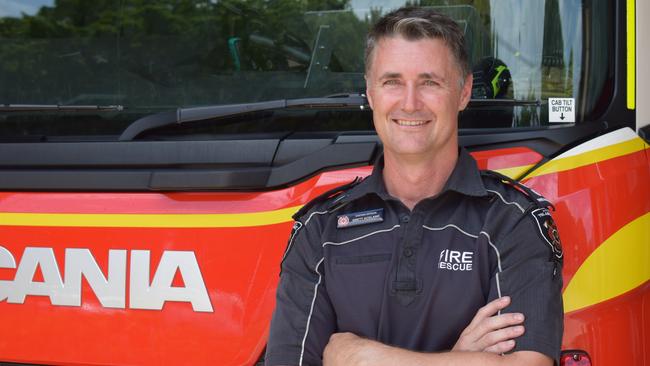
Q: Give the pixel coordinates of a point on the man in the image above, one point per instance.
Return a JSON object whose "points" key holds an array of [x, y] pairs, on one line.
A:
{"points": [[415, 264]]}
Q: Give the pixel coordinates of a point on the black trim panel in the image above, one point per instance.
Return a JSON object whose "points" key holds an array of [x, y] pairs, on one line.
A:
{"points": [[230, 165], [138, 154]]}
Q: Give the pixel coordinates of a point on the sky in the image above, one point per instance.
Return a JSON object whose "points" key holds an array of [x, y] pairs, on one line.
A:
{"points": [[15, 8]]}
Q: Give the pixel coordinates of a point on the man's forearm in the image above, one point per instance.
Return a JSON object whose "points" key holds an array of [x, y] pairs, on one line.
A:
{"points": [[396, 356], [362, 352]]}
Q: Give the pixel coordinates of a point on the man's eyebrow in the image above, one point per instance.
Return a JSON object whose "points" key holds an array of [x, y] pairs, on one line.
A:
{"points": [[390, 75], [430, 75], [424, 75]]}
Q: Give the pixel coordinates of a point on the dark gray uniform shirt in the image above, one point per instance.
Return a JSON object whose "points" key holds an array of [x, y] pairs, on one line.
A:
{"points": [[362, 262]]}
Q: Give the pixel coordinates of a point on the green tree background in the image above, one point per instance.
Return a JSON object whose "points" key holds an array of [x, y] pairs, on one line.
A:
{"points": [[157, 55], [171, 52]]}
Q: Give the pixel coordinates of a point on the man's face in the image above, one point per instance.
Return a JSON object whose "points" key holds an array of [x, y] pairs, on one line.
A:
{"points": [[414, 90]]}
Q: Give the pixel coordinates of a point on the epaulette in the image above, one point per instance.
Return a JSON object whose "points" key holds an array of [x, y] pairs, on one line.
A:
{"points": [[335, 192], [533, 196]]}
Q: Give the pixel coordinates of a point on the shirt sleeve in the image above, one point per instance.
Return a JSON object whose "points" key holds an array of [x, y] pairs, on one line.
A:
{"points": [[303, 319], [529, 270]]}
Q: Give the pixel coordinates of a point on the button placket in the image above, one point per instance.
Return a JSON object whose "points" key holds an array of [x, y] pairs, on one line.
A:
{"points": [[406, 285], [407, 252]]}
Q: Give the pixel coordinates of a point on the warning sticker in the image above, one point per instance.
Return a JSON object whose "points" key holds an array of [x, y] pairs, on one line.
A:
{"points": [[561, 110]]}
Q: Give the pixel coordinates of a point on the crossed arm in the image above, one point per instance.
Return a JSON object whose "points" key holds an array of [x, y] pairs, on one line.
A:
{"points": [[483, 342]]}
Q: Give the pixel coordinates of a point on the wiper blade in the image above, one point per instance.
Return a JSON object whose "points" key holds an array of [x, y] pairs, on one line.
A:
{"points": [[341, 101], [185, 115], [58, 108], [503, 102]]}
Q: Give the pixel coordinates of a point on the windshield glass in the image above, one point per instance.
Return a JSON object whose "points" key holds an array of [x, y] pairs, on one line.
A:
{"points": [[153, 56]]}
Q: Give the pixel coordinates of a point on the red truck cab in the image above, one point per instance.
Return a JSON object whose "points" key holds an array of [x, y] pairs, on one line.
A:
{"points": [[152, 154]]}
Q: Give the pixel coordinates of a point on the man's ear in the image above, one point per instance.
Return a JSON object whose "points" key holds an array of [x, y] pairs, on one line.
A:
{"points": [[368, 96], [466, 92]]}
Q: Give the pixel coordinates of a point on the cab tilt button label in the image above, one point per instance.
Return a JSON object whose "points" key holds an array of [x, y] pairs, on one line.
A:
{"points": [[359, 218], [561, 110]]}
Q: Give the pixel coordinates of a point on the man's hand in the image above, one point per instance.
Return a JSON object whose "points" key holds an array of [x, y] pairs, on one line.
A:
{"points": [[491, 333]]}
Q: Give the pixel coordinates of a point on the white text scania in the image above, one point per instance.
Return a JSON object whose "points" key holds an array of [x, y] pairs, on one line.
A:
{"points": [[109, 289]]}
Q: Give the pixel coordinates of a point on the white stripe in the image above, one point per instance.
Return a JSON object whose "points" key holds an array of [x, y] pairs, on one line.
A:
{"points": [[361, 237], [498, 264], [293, 238], [495, 249], [313, 300], [314, 213], [450, 225], [311, 311], [301, 226], [615, 137], [498, 289], [504, 200]]}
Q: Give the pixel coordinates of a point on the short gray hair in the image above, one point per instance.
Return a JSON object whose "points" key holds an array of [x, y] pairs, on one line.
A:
{"points": [[415, 23]]}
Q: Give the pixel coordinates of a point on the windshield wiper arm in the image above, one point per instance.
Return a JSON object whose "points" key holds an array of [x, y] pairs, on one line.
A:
{"points": [[58, 107], [343, 101], [503, 102], [185, 115]]}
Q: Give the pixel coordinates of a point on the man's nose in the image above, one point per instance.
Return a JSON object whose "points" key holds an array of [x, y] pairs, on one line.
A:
{"points": [[411, 100]]}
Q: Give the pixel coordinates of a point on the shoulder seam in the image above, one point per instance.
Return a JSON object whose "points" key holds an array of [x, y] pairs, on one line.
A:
{"points": [[334, 192], [507, 202], [534, 197], [315, 213]]}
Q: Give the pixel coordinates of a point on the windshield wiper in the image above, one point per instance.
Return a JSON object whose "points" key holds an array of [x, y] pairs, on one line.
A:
{"points": [[58, 108], [503, 102], [185, 115], [342, 101]]}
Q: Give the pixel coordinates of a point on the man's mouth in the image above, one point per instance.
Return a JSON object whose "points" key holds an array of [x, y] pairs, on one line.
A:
{"points": [[410, 123]]}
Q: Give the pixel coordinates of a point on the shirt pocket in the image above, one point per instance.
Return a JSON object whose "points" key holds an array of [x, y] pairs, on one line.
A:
{"points": [[363, 259], [356, 285]]}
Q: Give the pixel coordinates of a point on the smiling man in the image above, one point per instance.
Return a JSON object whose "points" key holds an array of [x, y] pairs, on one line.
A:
{"points": [[428, 261]]}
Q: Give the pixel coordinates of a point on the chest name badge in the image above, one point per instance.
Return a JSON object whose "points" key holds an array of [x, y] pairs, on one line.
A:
{"points": [[359, 218]]}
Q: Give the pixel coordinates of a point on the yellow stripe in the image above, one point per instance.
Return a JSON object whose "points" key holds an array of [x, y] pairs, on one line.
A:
{"points": [[515, 171], [618, 265], [149, 220], [590, 157], [631, 54]]}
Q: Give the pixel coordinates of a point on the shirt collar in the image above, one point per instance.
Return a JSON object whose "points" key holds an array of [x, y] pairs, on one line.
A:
{"points": [[464, 179]]}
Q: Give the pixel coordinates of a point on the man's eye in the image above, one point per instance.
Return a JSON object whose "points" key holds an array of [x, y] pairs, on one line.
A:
{"points": [[431, 83], [391, 82]]}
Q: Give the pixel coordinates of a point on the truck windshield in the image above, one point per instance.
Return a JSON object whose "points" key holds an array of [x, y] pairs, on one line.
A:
{"points": [[155, 56]]}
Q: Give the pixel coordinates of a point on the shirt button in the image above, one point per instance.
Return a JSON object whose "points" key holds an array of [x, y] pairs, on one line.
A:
{"points": [[408, 252], [406, 218]]}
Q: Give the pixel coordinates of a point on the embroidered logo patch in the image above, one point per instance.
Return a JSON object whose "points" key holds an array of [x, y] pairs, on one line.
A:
{"points": [[359, 218], [453, 260], [548, 230]]}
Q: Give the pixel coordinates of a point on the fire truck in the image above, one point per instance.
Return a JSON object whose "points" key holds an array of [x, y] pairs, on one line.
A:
{"points": [[152, 154]]}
